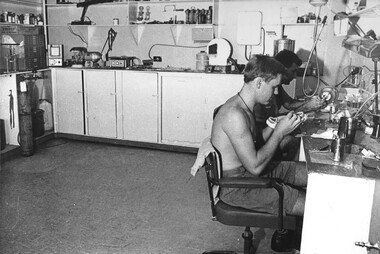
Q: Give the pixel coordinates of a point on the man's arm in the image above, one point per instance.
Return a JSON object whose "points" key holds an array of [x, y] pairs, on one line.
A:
{"points": [[240, 136], [310, 104]]}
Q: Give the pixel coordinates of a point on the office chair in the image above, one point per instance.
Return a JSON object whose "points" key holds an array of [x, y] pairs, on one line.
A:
{"points": [[282, 239]]}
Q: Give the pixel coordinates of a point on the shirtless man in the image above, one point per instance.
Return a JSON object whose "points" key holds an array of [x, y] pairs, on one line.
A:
{"points": [[234, 135]]}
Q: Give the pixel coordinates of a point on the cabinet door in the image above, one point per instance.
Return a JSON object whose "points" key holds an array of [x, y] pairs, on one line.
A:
{"points": [[9, 109], [68, 101], [140, 106], [101, 103], [219, 88], [182, 109]]}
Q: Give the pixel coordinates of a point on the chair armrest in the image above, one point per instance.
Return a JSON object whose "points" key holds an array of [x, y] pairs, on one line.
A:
{"points": [[246, 182]]}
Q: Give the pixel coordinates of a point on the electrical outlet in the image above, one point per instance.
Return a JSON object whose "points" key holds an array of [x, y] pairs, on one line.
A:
{"points": [[157, 59]]}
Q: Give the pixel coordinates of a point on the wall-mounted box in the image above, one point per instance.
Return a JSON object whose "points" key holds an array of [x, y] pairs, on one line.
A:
{"points": [[202, 34], [249, 27]]}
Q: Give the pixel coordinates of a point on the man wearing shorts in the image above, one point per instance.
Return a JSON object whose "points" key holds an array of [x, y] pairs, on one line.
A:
{"points": [[235, 135]]}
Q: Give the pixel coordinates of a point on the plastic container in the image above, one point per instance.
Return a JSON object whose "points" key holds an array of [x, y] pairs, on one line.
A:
{"points": [[202, 61]]}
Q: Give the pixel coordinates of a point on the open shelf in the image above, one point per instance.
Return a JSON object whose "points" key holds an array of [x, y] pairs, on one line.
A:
{"points": [[23, 2]]}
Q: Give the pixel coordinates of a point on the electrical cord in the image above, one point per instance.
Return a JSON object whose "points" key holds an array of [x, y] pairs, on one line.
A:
{"points": [[316, 36], [81, 37], [353, 72], [171, 45], [262, 28], [245, 53]]}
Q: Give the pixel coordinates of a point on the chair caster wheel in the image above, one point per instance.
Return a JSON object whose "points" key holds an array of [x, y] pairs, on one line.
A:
{"points": [[282, 241]]}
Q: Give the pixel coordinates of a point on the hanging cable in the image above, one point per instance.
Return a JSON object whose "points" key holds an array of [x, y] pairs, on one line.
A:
{"points": [[171, 45], [80, 36], [313, 50], [262, 28]]}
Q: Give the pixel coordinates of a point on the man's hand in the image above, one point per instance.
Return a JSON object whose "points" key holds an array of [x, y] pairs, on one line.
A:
{"points": [[314, 103], [288, 123]]}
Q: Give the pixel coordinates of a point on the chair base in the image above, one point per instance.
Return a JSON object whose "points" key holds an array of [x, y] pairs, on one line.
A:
{"points": [[282, 241], [248, 246]]}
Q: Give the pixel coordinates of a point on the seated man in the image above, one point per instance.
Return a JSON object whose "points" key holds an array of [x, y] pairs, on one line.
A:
{"points": [[291, 63], [234, 134], [288, 148]]}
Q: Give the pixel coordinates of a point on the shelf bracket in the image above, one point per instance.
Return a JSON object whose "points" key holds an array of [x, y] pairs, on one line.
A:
{"points": [[137, 32]]}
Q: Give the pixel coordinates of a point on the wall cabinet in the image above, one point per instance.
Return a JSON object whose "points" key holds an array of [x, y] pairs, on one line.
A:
{"points": [[100, 103], [140, 106], [68, 101]]}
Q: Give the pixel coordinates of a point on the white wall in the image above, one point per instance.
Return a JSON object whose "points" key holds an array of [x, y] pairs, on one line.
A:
{"points": [[335, 60]]}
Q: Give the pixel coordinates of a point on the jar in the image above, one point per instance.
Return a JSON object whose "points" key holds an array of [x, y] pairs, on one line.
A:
{"points": [[39, 20], [202, 61], [3, 17], [21, 18], [27, 19], [9, 17], [32, 19]]}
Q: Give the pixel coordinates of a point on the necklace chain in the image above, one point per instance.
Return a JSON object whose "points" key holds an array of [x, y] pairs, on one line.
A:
{"points": [[241, 98]]}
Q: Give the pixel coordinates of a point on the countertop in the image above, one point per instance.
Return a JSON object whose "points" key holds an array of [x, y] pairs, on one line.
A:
{"points": [[319, 159]]}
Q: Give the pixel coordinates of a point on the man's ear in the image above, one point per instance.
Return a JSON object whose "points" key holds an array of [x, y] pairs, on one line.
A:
{"points": [[258, 82]]}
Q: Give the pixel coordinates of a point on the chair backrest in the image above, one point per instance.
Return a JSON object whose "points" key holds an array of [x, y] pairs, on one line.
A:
{"points": [[213, 168]]}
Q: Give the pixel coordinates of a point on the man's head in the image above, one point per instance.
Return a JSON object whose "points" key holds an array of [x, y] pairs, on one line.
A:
{"points": [[291, 63], [263, 74]]}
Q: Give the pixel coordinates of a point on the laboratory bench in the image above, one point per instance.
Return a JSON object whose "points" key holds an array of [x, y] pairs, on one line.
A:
{"points": [[342, 205]]}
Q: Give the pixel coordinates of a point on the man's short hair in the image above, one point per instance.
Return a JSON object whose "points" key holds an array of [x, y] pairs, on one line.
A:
{"points": [[287, 58], [262, 66]]}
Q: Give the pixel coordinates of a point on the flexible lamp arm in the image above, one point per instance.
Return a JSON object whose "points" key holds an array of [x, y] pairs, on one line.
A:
{"points": [[88, 3]]}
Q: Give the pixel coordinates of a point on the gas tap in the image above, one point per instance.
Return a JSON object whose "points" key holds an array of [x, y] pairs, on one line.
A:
{"points": [[369, 246]]}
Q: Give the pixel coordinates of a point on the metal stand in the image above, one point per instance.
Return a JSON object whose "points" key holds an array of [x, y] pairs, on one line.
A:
{"points": [[376, 117]]}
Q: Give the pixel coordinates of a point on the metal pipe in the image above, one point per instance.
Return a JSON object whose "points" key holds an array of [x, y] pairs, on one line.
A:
{"points": [[376, 108]]}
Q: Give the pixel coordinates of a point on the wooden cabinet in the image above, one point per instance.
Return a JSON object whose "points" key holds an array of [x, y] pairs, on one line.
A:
{"points": [[140, 106], [100, 103], [68, 101]]}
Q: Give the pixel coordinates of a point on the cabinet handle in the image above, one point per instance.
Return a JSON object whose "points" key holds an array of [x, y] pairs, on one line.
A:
{"points": [[80, 91], [112, 93]]}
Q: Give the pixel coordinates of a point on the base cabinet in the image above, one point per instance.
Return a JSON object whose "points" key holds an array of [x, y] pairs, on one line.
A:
{"points": [[68, 101], [140, 106], [182, 104], [188, 102], [100, 103], [172, 108]]}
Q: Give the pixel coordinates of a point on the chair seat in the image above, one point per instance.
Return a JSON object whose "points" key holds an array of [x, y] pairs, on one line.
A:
{"points": [[237, 216]]}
